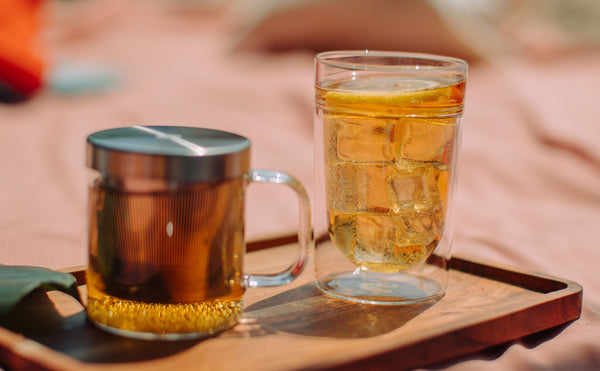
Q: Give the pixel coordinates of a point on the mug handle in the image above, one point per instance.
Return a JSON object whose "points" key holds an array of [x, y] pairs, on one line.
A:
{"points": [[304, 230]]}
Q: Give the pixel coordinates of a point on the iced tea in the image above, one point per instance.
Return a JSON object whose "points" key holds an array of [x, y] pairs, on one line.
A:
{"points": [[389, 144]]}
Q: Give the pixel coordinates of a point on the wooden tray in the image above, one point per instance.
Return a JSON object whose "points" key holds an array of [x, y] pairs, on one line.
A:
{"points": [[296, 327]]}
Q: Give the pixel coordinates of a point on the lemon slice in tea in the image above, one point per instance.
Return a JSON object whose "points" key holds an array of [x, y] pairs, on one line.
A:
{"points": [[387, 91]]}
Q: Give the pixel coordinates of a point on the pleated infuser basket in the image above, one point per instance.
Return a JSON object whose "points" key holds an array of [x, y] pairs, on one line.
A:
{"points": [[166, 212]]}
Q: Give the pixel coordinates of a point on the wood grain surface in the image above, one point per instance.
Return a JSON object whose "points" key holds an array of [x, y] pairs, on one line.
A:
{"points": [[297, 327]]}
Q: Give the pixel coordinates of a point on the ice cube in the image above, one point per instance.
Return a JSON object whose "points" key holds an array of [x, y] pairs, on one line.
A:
{"points": [[382, 243], [418, 224], [360, 139], [374, 234], [426, 140], [358, 187], [386, 242], [341, 231], [409, 185]]}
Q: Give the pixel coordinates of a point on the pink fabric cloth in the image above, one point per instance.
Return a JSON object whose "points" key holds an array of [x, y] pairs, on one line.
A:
{"points": [[528, 191]]}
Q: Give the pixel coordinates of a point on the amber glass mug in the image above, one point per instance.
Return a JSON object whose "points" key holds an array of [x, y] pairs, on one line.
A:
{"points": [[166, 230]]}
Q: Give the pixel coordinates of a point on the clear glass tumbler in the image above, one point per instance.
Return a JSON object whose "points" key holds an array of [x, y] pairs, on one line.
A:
{"points": [[387, 132]]}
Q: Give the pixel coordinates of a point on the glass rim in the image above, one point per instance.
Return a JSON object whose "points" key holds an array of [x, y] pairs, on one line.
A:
{"points": [[335, 58]]}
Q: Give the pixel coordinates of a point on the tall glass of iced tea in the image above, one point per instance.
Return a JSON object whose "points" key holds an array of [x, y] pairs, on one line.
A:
{"points": [[166, 230], [387, 131]]}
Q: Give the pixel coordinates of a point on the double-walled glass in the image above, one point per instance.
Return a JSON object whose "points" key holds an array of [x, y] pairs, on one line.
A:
{"points": [[387, 132], [166, 230]]}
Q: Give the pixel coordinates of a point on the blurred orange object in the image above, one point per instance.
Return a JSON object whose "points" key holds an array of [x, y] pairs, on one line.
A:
{"points": [[21, 60]]}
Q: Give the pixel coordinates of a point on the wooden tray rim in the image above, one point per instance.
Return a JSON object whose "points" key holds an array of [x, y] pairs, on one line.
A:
{"points": [[554, 288]]}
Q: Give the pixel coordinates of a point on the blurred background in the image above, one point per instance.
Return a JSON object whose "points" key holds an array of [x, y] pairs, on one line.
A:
{"points": [[41, 43], [72, 67], [528, 191]]}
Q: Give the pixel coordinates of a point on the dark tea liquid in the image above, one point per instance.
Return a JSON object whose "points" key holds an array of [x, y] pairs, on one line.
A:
{"points": [[169, 261]]}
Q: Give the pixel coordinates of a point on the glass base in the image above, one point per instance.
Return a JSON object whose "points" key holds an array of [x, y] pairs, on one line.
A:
{"points": [[380, 288], [161, 321], [156, 336]]}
